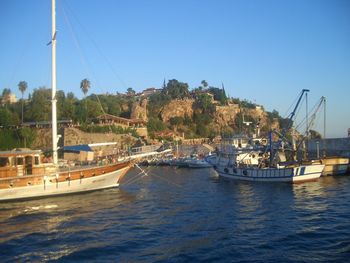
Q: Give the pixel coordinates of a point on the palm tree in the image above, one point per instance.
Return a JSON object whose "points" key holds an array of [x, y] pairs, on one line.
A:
{"points": [[22, 86], [85, 85], [204, 84]]}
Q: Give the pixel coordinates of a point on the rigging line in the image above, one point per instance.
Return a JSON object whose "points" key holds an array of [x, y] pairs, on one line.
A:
{"points": [[310, 113], [84, 61], [98, 49], [142, 171], [133, 180], [136, 177], [76, 42]]}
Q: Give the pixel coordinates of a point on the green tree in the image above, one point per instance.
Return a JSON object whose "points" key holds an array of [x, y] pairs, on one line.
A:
{"points": [[176, 121], [202, 130], [69, 106], [219, 95], [155, 125], [39, 108], [22, 86], [6, 92], [94, 109], [204, 84], [85, 85], [315, 134], [28, 136], [5, 96], [176, 90], [8, 139], [61, 98], [130, 91], [204, 102], [7, 117]]}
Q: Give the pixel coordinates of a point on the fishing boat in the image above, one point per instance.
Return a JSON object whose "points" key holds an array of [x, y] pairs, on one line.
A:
{"points": [[268, 163], [281, 173], [24, 174]]}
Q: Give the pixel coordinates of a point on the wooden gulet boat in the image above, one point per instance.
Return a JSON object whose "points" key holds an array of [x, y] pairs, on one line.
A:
{"points": [[23, 174]]}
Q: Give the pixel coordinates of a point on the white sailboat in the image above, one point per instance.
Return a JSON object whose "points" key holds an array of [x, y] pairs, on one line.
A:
{"points": [[23, 174]]}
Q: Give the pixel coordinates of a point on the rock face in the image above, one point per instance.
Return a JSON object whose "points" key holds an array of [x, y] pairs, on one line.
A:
{"points": [[177, 108], [139, 110], [225, 115]]}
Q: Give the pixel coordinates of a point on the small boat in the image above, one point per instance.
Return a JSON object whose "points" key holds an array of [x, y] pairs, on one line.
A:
{"points": [[190, 162], [198, 164]]}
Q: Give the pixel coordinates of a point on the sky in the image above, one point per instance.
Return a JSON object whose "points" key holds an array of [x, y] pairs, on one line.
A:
{"points": [[265, 51]]}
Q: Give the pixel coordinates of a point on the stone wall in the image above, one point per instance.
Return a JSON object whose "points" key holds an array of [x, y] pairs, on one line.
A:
{"points": [[73, 136], [332, 147]]}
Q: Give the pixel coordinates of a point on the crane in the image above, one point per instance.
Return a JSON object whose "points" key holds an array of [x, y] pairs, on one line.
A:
{"points": [[282, 135]]}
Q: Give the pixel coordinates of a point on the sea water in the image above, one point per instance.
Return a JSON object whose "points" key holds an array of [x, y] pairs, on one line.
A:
{"points": [[183, 215]]}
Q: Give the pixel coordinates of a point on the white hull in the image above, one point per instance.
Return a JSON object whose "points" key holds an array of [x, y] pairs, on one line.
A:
{"points": [[51, 188], [294, 174], [201, 164]]}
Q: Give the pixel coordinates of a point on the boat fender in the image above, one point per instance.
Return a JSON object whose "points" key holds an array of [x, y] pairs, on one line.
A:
{"points": [[245, 172], [235, 170], [214, 166], [226, 170]]}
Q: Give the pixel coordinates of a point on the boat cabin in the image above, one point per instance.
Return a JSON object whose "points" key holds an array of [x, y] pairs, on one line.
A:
{"points": [[20, 163]]}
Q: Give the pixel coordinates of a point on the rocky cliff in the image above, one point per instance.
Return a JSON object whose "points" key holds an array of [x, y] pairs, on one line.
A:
{"points": [[226, 115], [139, 110], [177, 108]]}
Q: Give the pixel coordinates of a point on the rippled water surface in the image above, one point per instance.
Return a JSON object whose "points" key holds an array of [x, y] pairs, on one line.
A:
{"points": [[180, 215]]}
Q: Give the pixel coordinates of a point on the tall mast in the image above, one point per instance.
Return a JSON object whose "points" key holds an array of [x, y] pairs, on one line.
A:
{"points": [[53, 85]]}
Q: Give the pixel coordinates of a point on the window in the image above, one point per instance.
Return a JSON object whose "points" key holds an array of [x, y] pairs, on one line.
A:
{"points": [[4, 161], [19, 161], [36, 160]]}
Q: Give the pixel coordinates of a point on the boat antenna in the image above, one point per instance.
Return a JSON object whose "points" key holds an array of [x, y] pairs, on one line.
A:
{"points": [[53, 86]]}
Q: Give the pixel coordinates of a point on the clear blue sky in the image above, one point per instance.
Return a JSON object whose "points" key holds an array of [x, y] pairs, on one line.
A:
{"points": [[263, 51]]}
